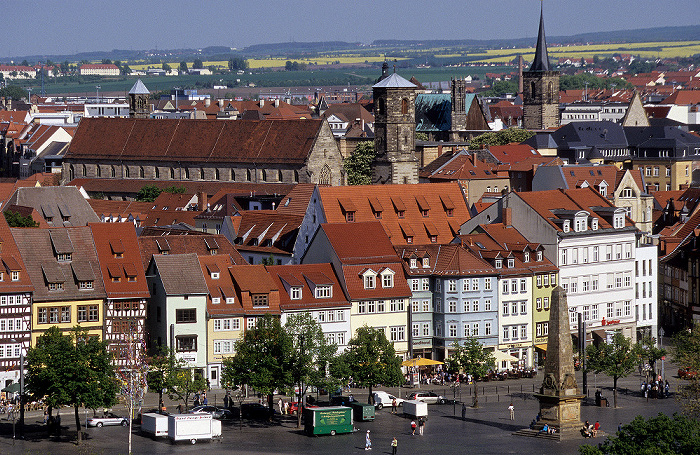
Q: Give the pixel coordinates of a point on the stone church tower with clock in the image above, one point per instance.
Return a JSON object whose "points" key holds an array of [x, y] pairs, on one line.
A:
{"points": [[541, 89], [394, 130]]}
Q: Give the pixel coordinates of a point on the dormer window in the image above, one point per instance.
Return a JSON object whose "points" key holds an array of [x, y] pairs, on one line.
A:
{"points": [[566, 226], [499, 263], [424, 212], [539, 256], [413, 263], [349, 216], [387, 278], [216, 300], [618, 220], [594, 224], [85, 285], [64, 257], [511, 263], [409, 239], [603, 189], [526, 256], [426, 262], [369, 281], [324, 291], [229, 300], [214, 275], [260, 300], [401, 213], [295, 293], [626, 193], [580, 223]]}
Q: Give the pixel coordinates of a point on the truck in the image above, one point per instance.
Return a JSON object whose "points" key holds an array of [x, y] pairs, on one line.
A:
{"points": [[329, 420], [154, 425], [415, 408], [193, 427], [362, 411]]}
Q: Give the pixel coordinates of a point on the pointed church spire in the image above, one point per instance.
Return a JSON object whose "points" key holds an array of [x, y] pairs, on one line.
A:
{"points": [[541, 62]]}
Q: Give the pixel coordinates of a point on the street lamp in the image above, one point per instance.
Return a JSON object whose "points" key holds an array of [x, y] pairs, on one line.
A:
{"points": [[97, 87]]}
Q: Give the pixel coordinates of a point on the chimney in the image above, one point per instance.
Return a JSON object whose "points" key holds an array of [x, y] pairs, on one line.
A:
{"points": [[277, 103], [202, 199], [262, 102], [207, 102], [221, 104], [507, 216]]}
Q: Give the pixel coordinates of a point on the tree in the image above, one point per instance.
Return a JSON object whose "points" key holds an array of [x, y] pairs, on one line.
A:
{"points": [[270, 260], [372, 360], [420, 136], [160, 366], [166, 67], [359, 164], [15, 219], [132, 374], [261, 358], [500, 88], [73, 369], [686, 353], [24, 62], [197, 64], [148, 193], [501, 137], [13, 91], [175, 189], [106, 61], [237, 63], [471, 358], [183, 67], [182, 382], [617, 359], [310, 356], [657, 435], [649, 352], [125, 69]]}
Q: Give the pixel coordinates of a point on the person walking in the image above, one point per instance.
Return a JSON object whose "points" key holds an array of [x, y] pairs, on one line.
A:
{"points": [[280, 403], [394, 406], [368, 442], [394, 446], [511, 408], [413, 427], [421, 425], [464, 411]]}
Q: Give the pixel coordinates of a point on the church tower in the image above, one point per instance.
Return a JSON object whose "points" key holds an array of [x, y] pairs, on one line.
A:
{"points": [[459, 110], [394, 131], [541, 89], [138, 100]]}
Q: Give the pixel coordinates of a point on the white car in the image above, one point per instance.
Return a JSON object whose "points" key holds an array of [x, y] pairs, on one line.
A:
{"points": [[109, 419], [384, 399]]}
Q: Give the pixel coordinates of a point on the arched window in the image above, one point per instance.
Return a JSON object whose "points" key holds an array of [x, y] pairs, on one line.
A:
{"points": [[157, 171], [217, 176], [113, 172], [71, 172], [99, 171], [142, 173], [533, 89], [404, 106], [296, 177], [172, 173], [233, 175], [201, 173], [380, 106], [84, 170], [247, 175], [550, 92], [187, 173], [126, 171], [279, 175], [264, 175], [324, 177]]}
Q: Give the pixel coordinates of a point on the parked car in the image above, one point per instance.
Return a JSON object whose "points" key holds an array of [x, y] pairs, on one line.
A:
{"points": [[217, 413], [384, 399], [255, 411], [341, 400], [295, 404], [687, 373], [428, 397], [109, 419]]}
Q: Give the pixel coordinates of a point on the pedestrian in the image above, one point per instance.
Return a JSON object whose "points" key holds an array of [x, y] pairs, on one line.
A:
{"points": [[666, 389], [394, 446], [421, 425], [368, 442], [511, 408], [619, 427], [204, 399], [227, 400], [280, 403], [596, 427], [286, 407], [394, 406], [413, 427], [464, 411]]}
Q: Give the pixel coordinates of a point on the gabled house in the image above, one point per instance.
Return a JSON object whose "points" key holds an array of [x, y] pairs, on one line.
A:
{"points": [[177, 308], [256, 291], [125, 284], [263, 234], [371, 275], [314, 289], [15, 307], [187, 242], [60, 206]]}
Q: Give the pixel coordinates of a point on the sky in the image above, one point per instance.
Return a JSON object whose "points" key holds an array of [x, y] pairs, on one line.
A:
{"points": [[46, 27]]}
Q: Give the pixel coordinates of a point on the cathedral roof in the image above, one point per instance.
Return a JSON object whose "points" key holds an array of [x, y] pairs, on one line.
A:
{"points": [[139, 89]]}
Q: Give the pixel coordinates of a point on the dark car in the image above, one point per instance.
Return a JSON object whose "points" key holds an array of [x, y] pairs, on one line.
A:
{"points": [[340, 400], [217, 413], [254, 411]]}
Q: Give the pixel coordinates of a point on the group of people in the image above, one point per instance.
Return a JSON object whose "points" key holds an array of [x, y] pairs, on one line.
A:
{"points": [[200, 399], [590, 431], [420, 426], [655, 389], [368, 443]]}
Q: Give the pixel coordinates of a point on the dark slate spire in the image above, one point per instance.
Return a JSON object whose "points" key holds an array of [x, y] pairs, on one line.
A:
{"points": [[541, 62]]}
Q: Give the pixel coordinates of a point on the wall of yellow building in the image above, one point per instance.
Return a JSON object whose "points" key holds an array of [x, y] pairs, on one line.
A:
{"points": [[222, 335], [94, 328], [541, 315], [386, 320]]}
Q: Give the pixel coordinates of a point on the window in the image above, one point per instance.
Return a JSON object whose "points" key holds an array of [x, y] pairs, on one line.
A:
{"points": [[526, 257], [251, 323], [553, 279], [322, 292], [452, 306], [487, 328], [475, 329], [475, 306], [415, 284], [82, 313], [362, 307], [369, 281], [65, 314], [511, 263], [186, 343], [413, 263], [426, 329], [538, 303], [426, 262], [609, 311], [452, 330], [498, 263], [656, 171], [514, 332], [84, 285], [506, 308], [574, 285], [64, 257], [513, 286], [186, 315], [523, 307], [426, 306], [397, 305], [487, 284], [415, 330], [14, 276], [487, 305], [415, 306], [475, 284], [451, 285], [545, 302], [595, 254], [295, 293], [466, 284], [467, 329], [260, 300], [398, 333], [504, 286], [628, 307], [426, 284], [523, 331], [514, 308], [608, 252], [539, 281], [562, 257], [523, 285]]}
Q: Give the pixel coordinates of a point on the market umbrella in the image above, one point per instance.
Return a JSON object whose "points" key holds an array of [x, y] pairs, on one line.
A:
{"points": [[501, 356], [420, 362], [12, 388]]}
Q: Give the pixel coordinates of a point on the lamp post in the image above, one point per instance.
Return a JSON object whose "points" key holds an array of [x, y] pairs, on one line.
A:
{"points": [[97, 87]]}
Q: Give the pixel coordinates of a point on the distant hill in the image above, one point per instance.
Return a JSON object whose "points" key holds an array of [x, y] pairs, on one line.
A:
{"points": [[299, 49]]}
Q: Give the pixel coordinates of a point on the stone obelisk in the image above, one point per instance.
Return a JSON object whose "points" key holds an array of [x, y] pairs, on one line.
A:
{"points": [[560, 397]]}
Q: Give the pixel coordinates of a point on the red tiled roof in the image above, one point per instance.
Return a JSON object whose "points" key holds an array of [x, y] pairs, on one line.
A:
{"points": [[178, 244], [512, 153], [354, 281], [360, 243], [306, 276], [201, 141], [683, 97]]}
